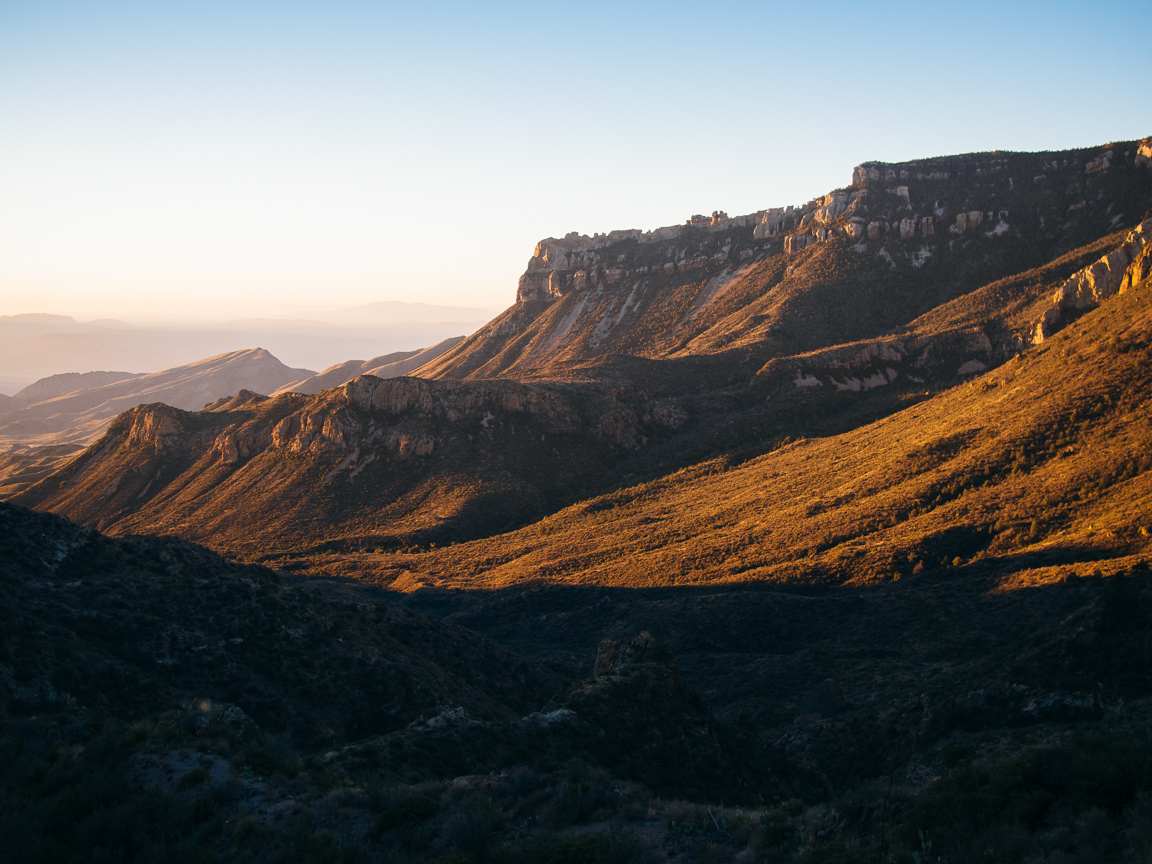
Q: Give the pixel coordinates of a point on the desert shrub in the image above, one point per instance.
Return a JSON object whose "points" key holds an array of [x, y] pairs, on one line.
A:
{"points": [[609, 847]]}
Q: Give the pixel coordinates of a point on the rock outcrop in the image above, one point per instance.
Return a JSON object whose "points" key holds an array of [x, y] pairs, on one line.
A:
{"points": [[375, 460], [899, 240], [1123, 268]]}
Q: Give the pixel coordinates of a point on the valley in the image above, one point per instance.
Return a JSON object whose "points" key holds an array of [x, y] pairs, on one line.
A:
{"points": [[818, 534]]}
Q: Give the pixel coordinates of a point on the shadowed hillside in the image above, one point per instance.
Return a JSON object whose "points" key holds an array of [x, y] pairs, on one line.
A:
{"points": [[1043, 461], [159, 702]]}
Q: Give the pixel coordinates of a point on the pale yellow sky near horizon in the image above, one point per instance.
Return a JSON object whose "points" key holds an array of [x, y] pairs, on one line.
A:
{"points": [[215, 160]]}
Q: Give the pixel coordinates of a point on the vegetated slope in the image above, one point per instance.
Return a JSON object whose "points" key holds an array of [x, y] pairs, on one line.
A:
{"points": [[1043, 462], [159, 702], [391, 365], [111, 626], [78, 415], [848, 265], [374, 462], [21, 467]]}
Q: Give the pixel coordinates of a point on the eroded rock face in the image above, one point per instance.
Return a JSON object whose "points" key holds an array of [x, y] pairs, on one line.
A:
{"points": [[908, 360], [903, 237], [1118, 271], [974, 195], [1144, 152], [400, 457], [154, 427]]}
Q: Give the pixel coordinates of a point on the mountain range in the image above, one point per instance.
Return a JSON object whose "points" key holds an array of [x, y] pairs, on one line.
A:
{"points": [[743, 333], [815, 534], [34, 346]]}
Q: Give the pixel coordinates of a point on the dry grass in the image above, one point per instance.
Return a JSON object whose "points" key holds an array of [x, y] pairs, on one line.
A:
{"points": [[1042, 463]]}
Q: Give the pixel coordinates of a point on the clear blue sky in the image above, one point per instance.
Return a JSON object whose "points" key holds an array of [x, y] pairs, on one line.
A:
{"points": [[214, 158]]}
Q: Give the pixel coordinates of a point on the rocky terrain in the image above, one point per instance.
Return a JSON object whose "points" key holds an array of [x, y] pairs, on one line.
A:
{"points": [[715, 355], [371, 463], [854, 263], [820, 534]]}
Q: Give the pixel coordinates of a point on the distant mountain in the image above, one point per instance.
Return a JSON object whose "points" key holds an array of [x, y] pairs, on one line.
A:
{"points": [[21, 466], [37, 319], [37, 346], [68, 382], [52, 413], [386, 366]]}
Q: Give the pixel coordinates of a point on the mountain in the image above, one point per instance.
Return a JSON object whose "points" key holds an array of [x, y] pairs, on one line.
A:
{"points": [[851, 264], [373, 461], [21, 465], [858, 571], [839, 318], [1039, 468], [36, 346], [69, 382], [54, 412], [392, 365]]}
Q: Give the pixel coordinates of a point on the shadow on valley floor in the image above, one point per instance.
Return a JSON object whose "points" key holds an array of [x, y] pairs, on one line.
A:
{"points": [[160, 703]]}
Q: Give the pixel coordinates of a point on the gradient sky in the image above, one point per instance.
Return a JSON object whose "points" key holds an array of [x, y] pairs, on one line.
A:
{"points": [[224, 159]]}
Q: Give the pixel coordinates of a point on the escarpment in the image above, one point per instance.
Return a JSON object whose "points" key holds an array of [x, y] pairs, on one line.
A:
{"points": [[1123, 268], [900, 240], [375, 461]]}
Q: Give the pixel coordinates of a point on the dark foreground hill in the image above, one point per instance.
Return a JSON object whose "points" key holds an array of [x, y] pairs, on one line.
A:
{"points": [[158, 703]]}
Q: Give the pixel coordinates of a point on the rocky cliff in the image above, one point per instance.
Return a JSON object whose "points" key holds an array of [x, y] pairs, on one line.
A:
{"points": [[902, 238], [376, 462]]}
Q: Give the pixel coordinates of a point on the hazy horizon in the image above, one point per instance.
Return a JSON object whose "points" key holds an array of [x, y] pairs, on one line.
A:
{"points": [[167, 162]]}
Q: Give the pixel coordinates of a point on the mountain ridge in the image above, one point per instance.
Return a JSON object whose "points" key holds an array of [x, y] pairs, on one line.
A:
{"points": [[719, 282], [453, 455]]}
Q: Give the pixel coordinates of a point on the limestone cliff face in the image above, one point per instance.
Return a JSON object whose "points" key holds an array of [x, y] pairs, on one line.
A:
{"points": [[1121, 269], [397, 458], [900, 239]]}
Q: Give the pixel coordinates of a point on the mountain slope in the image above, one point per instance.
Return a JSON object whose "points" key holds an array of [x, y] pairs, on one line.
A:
{"points": [[384, 463], [851, 264], [392, 365], [160, 703], [836, 318], [372, 462], [78, 415], [1040, 464], [69, 382]]}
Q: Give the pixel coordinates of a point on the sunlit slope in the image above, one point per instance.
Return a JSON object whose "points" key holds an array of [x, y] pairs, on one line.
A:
{"points": [[1043, 462]]}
